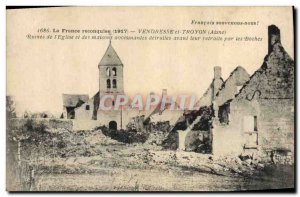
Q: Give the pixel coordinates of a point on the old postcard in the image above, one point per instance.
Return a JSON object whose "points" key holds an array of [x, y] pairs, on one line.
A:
{"points": [[150, 99]]}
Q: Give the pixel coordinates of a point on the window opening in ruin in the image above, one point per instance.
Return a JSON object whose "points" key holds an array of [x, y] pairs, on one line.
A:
{"points": [[255, 123], [223, 113], [250, 132], [87, 107], [70, 112]]}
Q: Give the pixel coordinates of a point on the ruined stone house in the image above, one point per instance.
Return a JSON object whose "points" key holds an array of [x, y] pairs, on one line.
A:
{"points": [[71, 102], [260, 118], [251, 115], [198, 133], [182, 135], [229, 89]]}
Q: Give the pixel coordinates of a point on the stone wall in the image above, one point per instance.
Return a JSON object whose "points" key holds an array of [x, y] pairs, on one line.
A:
{"points": [[276, 124], [227, 140], [274, 127], [50, 123], [85, 111], [84, 120], [85, 124], [206, 99]]}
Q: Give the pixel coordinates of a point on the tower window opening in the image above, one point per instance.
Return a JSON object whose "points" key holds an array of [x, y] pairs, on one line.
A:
{"points": [[114, 71], [108, 72], [114, 83], [108, 83]]}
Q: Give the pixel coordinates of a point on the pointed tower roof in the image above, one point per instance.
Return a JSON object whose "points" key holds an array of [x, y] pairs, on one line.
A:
{"points": [[110, 57]]}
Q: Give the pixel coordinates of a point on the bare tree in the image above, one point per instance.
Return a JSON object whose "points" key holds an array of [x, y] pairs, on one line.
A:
{"points": [[10, 107]]}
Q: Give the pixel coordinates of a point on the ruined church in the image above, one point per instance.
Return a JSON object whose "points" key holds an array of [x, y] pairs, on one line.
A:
{"points": [[85, 112], [84, 109]]}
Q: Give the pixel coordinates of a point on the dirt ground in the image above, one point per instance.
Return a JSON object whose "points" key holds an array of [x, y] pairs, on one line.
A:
{"points": [[95, 162], [120, 179]]}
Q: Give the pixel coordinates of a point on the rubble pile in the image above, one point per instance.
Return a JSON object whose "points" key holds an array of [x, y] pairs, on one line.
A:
{"points": [[156, 138], [158, 133], [81, 143], [126, 136], [224, 166], [64, 143]]}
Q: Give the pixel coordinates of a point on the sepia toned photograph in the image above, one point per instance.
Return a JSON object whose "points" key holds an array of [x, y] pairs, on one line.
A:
{"points": [[150, 99]]}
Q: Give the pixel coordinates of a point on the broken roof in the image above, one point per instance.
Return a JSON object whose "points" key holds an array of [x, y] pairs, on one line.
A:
{"points": [[74, 100], [238, 80], [207, 97], [274, 79], [110, 57], [228, 90]]}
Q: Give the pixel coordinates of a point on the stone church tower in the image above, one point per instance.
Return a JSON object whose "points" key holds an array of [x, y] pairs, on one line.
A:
{"points": [[110, 73], [110, 83]]}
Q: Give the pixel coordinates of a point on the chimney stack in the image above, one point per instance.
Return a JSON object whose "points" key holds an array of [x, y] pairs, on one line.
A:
{"points": [[217, 72], [274, 36]]}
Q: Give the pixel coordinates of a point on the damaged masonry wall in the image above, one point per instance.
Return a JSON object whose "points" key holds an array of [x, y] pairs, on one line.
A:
{"points": [[232, 85], [201, 139], [184, 135]]}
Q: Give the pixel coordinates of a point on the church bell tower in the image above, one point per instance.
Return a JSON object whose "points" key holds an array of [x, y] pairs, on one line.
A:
{"points": [[110, 73]]}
